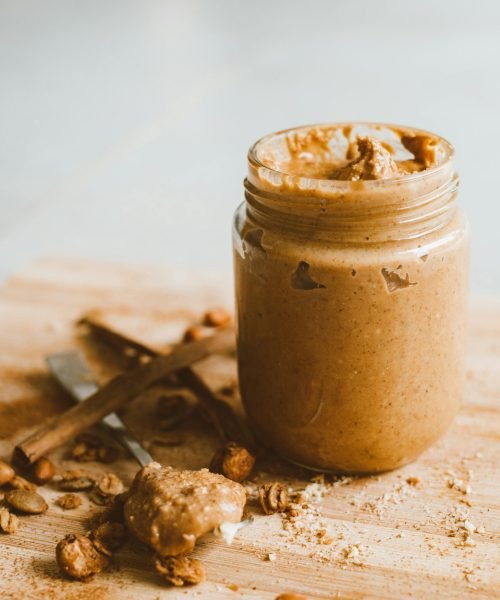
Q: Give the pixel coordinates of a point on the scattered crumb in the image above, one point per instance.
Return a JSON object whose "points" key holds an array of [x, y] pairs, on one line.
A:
{"points": [[460, 485], [353, 554], [69, 501], [470, 576], [380, 504], [457, 525], [90, 448], [9, 523], [180, 570], [414, 481]]}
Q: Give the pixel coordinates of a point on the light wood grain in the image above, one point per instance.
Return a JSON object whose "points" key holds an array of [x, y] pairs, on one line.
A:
{"points": [[406, 550]]}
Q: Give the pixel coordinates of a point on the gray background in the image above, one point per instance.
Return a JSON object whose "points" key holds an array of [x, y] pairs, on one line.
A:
{"points": [[124, 125]]}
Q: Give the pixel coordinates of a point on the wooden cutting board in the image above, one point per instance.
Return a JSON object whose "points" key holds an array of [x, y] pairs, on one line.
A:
{"points": [[429, 530]]}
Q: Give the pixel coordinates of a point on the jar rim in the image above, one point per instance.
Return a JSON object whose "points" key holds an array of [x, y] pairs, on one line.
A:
{"points": [[308, 182]]}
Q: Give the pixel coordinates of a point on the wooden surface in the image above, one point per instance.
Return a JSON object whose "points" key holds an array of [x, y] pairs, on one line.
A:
{"points": [[386, 538]]}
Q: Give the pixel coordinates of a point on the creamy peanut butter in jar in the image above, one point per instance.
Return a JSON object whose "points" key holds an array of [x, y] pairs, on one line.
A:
{"points": [[351, 269]]}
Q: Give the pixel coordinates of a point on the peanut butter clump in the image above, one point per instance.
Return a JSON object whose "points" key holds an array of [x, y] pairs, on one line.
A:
{"points": [[169, 509], [423, 148], [373, 162]]}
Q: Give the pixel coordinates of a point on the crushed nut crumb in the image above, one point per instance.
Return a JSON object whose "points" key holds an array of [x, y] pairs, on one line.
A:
{"points": [[414, 481], [470, 575], [273, 498], [353, 553], [9, 523], [180, 570], [69, 501], [75, 481], [89, 448], [459, 485], [397, 494]]}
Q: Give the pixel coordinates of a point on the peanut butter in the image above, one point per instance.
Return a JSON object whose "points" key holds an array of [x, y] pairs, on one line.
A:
{"points": [[351, 285], [170, 509], [373, 162], [347, 153]]}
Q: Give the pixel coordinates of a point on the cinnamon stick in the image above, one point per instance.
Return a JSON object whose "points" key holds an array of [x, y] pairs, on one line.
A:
{"points": [[226, 423], [116, 339], [116, 394]]}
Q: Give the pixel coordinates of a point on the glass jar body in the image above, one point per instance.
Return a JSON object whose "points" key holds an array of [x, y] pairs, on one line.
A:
{"points": [[350, 353]]}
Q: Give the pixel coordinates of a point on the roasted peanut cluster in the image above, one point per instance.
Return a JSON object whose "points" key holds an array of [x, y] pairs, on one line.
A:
{"points": [[81, 556], [233, 461]]}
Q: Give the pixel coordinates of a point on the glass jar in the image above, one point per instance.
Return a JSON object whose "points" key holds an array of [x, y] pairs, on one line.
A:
{"points": [[351, 309]]}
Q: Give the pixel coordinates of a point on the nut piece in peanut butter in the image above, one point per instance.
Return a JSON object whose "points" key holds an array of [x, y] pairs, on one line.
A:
{"points": [[170, 509]]}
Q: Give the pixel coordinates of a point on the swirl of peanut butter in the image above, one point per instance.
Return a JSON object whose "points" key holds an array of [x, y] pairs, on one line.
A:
{"points": [[343, 153], [372, 162]]}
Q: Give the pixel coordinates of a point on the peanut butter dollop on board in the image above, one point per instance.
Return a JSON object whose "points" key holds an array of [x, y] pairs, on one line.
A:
{"points": [[170, 509]]}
